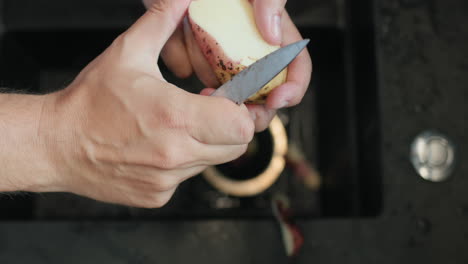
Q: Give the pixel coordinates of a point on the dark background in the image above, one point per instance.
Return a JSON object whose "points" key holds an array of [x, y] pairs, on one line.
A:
{"points": [[384, 71]]}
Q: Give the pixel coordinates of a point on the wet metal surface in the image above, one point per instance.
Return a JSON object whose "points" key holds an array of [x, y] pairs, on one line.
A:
{"points": [[433, 156]]}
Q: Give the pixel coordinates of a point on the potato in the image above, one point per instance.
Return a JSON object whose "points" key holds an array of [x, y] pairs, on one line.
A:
{"points": [[228, 36]]}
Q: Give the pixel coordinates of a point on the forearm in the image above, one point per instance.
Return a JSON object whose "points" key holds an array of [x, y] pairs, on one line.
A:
{"points": [[24, 162]]}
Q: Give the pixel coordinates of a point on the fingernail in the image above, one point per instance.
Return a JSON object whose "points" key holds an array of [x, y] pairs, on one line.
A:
{"points": [[276, 27]]}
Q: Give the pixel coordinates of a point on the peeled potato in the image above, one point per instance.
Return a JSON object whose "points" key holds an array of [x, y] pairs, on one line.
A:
{"points": [[227, 34]]}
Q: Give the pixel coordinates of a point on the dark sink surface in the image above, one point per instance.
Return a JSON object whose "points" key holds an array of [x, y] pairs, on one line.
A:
{"points": [[372, 208]]}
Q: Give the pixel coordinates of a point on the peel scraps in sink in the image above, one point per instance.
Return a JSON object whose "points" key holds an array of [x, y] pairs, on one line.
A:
{"points": [[292, 236], [303, 169]]}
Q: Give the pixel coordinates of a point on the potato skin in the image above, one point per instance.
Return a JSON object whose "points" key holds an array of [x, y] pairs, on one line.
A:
{"points": [[225, 68]]}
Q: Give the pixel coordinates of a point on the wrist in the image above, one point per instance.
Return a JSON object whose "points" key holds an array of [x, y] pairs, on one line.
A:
{"points": [[58, 132], [24, 157], [47, 139]]}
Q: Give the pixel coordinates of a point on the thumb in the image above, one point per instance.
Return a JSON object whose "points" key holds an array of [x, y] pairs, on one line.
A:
{"points": [[151, 31]]}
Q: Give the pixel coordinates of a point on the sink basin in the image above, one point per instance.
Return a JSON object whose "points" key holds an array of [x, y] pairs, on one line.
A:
{"points": [[335, 127]]}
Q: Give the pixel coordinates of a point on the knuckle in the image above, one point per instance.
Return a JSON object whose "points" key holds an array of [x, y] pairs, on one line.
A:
{"points": [[163, 8], [159, 7], [168, 115], [170, 118], [163, 184], [166, 158], [242, 150], [246, 130], [295, 101], [170, 154], [183, 71], [237, 153]]}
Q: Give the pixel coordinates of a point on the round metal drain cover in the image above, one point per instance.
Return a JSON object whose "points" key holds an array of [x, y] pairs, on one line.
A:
{"points": [[433, 156]]}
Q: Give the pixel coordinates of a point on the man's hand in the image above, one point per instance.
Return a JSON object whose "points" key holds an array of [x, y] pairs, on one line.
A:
{"points": [[120, 133], [277, 28]]}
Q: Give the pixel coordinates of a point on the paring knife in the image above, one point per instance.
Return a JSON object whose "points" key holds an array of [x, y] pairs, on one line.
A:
{"points": [[249, 81]]}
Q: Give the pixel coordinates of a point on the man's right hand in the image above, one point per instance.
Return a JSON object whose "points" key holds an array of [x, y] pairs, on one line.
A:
{"points": [[120, 133]]}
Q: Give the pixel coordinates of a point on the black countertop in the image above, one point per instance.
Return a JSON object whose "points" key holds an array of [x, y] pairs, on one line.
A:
{"points": [[422, 61]]}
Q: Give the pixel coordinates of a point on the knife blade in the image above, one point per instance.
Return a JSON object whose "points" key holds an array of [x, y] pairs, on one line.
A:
{"points": [[249, 81]]}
